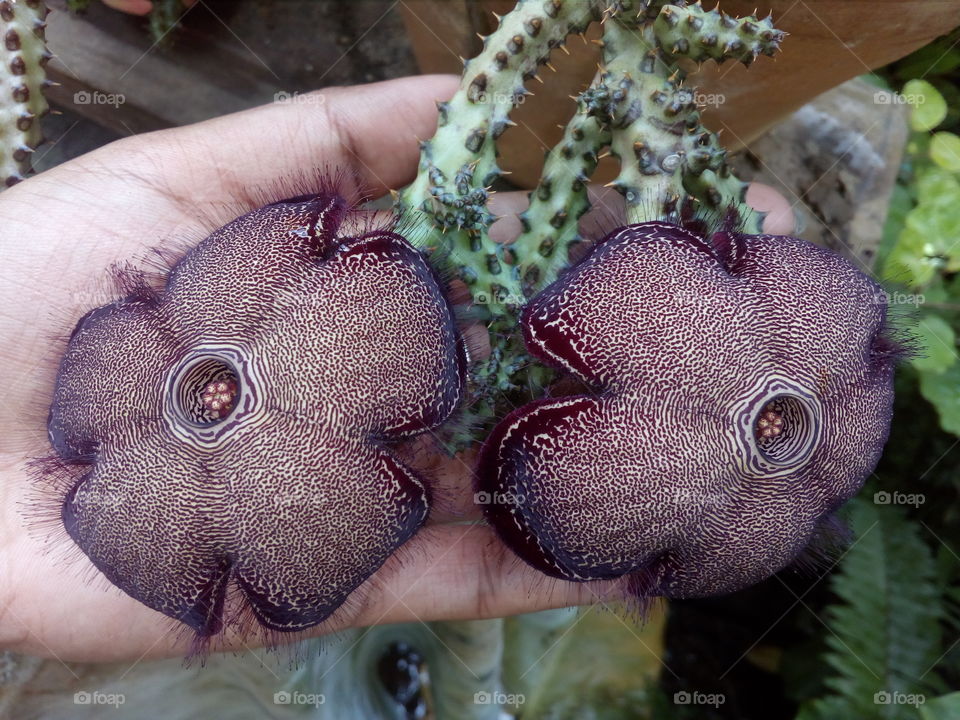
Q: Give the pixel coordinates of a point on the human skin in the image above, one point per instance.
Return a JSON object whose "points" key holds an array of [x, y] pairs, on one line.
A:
{"points": [[138, 7], [60, 230]]}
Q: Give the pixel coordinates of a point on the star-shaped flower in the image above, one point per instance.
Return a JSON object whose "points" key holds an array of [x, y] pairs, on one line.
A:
{"points": [[237, 423], [742, 390]]}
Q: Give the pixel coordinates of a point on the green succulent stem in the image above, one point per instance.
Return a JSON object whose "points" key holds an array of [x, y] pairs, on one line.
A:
{"points": [[23, 78], [458, 165], [671, 166], [637, 105], [551, 221]]}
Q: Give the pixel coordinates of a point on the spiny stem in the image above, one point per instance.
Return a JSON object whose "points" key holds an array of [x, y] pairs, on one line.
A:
{"points": [[23, 57], [668, 159], [458, 165], [550, 223], [695, 33]]}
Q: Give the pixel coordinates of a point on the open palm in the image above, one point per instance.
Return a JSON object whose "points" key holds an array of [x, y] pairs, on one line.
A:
{"points": [[60, 231]]}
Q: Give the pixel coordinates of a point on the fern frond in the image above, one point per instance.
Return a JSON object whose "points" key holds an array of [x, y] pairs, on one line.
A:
{"points": [[885, 633]]}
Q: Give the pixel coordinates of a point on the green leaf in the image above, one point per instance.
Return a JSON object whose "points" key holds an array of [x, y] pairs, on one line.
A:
{"points": [[885, 632], [909, 262], [597, 664], [929, 107], [937, 350], [942, 390], [936, 185], [901, 203], [945, 707], [945, 150], [934, 59]]}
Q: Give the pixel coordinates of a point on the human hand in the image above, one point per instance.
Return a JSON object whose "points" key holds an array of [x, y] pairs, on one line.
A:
{"points": [[138, 7], [60, 231]]}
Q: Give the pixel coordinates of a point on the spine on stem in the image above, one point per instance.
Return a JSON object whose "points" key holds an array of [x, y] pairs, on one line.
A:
{"points": [[23, 57], [458, 165]]}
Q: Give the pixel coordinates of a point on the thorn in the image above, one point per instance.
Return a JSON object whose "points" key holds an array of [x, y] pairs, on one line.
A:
{"points": [[394, 195], [558, 124], [498, 17], [506, 172], [564, 48], [598, 43], [550, 66], [583, 37], [482, 38], [611, 183], [604, 154], [56, 112], [538, 79]]}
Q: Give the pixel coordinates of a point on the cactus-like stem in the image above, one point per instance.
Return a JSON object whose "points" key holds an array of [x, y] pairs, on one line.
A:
{"points": [[648, 124], [23, 56], [638, 104], [458, 165], [550, 223], [692, 32], [668, 160]]}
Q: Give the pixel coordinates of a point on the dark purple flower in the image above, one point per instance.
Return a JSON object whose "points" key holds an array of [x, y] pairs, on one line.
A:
{"points": [[741, 391], [237, 423]]}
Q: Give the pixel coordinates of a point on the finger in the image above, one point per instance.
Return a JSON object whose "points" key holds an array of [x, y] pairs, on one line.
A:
{"points": [[133, 7], [450, 572], [371, 130], [780, 219]]}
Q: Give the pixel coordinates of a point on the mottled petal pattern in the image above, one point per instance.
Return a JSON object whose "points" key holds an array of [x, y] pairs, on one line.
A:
{"points": [[741, 392], [237, 423]]}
